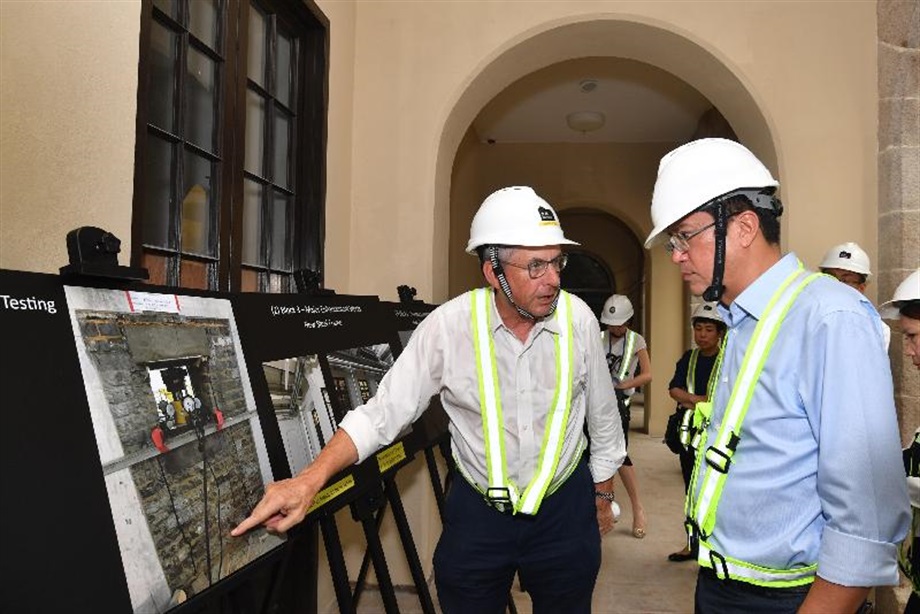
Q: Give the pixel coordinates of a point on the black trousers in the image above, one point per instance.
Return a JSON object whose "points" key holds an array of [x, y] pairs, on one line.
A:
{"points": [[715, 596], [556, 552]]}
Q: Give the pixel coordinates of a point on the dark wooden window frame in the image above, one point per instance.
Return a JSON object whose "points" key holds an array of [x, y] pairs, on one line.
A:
{"points": [[310, 25]]}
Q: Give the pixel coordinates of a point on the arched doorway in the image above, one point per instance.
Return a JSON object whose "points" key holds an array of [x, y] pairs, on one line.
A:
{"points": [[621, 182]]}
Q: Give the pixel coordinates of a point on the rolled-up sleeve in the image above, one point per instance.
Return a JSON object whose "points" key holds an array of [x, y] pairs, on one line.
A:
{"points": [[860, 477], [403, 394], [608, 446]]}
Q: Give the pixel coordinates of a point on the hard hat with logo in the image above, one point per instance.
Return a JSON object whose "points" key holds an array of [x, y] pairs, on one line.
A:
{"points": [[617, 310], [848, 257], [706, 311], [701, 171], [908, 291], [515, 216]]}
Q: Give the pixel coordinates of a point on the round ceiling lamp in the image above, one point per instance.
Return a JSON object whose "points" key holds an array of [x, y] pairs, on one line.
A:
{"points": [[585, 121]]}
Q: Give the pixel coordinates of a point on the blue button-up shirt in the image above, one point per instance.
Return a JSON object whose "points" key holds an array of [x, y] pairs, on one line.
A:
{"points": [[817, 476]]}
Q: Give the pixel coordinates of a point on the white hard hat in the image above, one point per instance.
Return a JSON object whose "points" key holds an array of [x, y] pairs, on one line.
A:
{"points": [[515, 216], [848, 257], [617, 310], [698, 172], [707, 311], [909, 290]]}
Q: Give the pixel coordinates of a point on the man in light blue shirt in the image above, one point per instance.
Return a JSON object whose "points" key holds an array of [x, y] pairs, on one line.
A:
{"points": [[797, 501]]}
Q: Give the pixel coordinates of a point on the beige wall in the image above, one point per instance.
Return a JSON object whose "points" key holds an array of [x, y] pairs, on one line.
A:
{"points": [[68, 97]]}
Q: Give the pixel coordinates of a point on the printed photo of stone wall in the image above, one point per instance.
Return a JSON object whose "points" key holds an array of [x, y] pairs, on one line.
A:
{"points": [[178, 435]]}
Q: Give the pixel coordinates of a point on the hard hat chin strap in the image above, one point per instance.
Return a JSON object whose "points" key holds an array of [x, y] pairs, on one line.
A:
{"points": [[714, 292], [499, 272]]}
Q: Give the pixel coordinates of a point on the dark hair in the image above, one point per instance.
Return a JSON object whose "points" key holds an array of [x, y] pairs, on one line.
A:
{"points": [[911, 309], [768, 218], [504, 252], [720, 326]]}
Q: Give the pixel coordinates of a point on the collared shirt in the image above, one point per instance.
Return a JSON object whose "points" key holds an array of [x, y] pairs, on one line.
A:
{"points": [[440, 359], [817, 475], [614, 348]]}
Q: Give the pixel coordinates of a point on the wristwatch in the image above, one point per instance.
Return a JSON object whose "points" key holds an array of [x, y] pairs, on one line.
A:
{"points": [[606, 496]]}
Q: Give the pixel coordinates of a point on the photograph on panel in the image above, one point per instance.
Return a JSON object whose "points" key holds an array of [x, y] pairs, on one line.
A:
{"points": [[183, 455], [303, 399], [302, 406], [356, 373]]}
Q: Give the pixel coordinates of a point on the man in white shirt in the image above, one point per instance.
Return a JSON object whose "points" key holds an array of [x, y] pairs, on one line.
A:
{"points": [[520, 371]]}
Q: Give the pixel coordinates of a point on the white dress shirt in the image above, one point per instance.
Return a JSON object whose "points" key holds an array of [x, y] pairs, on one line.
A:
{"points": [[440, 359]]}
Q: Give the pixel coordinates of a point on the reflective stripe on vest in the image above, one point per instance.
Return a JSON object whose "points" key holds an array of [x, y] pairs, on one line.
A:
{"points": [[727, 567], [717, 459], [500, 487], [629, 346]]}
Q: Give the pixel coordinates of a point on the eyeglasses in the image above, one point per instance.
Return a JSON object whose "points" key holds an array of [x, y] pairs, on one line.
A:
{"points": [[680, 241], [536, 268]]}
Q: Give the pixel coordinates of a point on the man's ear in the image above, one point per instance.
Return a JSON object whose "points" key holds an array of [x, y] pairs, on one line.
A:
{"points": [[747, 227], [489, 274]]}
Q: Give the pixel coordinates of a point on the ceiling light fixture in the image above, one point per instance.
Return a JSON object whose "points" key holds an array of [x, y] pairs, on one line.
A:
{"points": [[587, 85], [585, 121]]}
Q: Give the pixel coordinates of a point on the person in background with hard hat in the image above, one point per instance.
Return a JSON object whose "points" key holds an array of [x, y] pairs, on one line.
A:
{"points": [[520, 371], [627, 353], [693, 383], [794, 503], [905, 306], [849, 264]]}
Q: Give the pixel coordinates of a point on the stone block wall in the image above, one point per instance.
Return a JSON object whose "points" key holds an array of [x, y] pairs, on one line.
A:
{"points": [[193, 494], [899, 203]]}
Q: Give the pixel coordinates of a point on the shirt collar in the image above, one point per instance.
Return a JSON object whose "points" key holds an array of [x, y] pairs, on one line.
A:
{"points": [[551, 323], [753, 300]]}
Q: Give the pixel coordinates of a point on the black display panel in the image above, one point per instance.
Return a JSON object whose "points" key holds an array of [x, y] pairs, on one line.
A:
{"points": [[60, 553], [320, 356]]}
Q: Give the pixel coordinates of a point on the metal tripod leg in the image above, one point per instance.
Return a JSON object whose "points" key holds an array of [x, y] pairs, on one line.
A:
{"points": [[405, 534], [337, 564]]}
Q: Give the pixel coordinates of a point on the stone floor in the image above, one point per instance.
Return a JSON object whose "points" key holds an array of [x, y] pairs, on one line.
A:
{"points": [[635, 574]]}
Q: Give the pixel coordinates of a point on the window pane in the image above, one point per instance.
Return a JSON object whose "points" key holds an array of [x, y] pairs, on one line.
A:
{"points": [[252, 222], [156, 266], [162, 95], [250, 280], [255, 132], [282, 175], [283, 65], [279, 238], [197, 204], [194, 273], [200, 112], [258, 32], [158, 192], [170, 7], [278, 283], [203, 22]]}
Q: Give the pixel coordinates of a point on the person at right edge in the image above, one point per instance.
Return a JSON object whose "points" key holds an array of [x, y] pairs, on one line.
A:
{"points": [[797, 501], [905, 306]]}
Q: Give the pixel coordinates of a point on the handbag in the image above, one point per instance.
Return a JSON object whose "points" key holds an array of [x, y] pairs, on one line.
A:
{"points": [[672, 431]]}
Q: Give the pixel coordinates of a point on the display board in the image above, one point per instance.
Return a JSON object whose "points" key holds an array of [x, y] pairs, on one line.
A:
{"points": [[319, 357], [181, 444], [431, 428], [144, 423]]}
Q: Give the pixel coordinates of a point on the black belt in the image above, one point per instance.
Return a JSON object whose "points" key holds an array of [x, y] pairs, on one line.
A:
{"points": [[754, 589]]}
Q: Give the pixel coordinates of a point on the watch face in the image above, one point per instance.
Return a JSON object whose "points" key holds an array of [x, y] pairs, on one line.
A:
{"points": [[189, 403]]}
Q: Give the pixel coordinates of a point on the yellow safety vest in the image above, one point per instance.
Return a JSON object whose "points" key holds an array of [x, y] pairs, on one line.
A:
{"points": [[712, 466], [501, 491]]}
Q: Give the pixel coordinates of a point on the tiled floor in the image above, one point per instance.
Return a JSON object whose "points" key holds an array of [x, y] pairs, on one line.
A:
{"points": [[635, 574]]}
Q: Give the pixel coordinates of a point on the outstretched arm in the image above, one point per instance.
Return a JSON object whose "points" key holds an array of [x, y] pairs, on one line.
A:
{"points": [[285, 503]]}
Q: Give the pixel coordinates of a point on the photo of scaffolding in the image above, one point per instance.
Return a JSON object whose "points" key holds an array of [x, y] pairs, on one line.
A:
{"points": [[180, 442], [309, 408]]}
